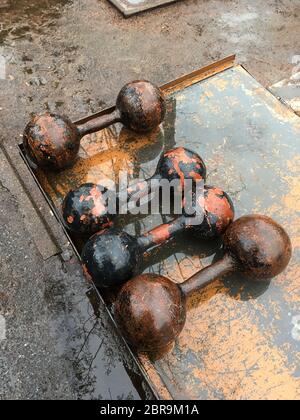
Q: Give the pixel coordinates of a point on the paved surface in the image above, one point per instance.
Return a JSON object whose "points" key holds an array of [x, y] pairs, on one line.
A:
{"points": [[73, 57]]}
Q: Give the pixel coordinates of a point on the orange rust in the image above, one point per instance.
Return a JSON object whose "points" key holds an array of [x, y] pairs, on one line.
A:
{"points": [[160, 234], [96, 196], [198, 75], [218, 206], [239, 361], [180, 156], [86, 274], [219, 84], [107, 225], [48, 137], [195, 175]]}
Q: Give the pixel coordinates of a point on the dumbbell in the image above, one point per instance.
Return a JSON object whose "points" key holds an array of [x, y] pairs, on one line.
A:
{"points": [[151, 309], [53, 141], [112, 257], [85, 209]]}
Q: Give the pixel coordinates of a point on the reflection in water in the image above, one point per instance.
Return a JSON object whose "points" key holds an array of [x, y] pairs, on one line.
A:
{"points": [[161, 139], [103, 369]]}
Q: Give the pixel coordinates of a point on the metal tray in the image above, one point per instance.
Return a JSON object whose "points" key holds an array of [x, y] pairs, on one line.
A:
{"points": [[288, 90], [241, 341], [131, 7]]}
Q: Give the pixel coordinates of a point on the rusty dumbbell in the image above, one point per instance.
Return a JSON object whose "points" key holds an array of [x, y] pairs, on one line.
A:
{"points": [[52, 141], [112, 257], [151, 309], [85, 209]]}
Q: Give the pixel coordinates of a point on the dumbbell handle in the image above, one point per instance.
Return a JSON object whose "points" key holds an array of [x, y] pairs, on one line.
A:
{"points": [[140, 189], [162, 233], [98, 123], [200, 280]]}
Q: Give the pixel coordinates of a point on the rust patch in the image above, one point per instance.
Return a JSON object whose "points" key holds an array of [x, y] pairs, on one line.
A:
{"points": [[160, 234], [86, 273]]}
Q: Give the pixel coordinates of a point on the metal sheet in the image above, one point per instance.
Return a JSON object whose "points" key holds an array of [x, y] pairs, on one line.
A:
{"points": [[241, 340], [288, 90], [131, 7]]}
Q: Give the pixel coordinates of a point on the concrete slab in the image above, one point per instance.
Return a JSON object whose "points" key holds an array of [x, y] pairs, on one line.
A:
{"points": [[131, 7]]}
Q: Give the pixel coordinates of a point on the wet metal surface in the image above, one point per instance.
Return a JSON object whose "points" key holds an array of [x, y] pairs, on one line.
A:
{"points": [[239, 340], [288, 90], [130, 7]]}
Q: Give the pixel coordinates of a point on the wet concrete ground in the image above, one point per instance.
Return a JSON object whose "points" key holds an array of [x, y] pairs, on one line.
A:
{"points": [[72, 57]]}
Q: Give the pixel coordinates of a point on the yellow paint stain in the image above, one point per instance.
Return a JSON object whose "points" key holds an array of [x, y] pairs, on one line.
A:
{"points": [[205, 96], [290, 284], [238, 359], [60, 189], [292, 199], [220, 84], [235, 82], [232, 101]]}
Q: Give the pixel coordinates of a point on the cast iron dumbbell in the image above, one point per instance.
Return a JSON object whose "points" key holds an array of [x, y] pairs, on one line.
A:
{"points": [[85, 209], [151, 309], [53, 141], [112, 257]]}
